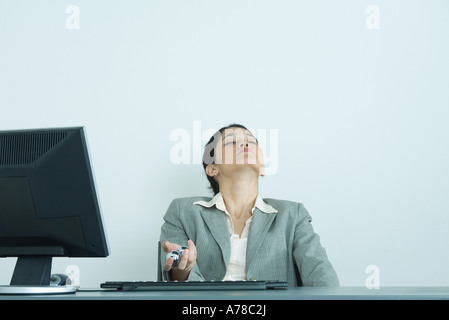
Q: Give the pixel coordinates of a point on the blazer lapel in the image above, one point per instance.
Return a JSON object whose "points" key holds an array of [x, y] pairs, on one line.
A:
{"points": [[259, 228], [217, 224]]}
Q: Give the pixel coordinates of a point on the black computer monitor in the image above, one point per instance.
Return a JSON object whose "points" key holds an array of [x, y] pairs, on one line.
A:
{"points": [[48, 201]]}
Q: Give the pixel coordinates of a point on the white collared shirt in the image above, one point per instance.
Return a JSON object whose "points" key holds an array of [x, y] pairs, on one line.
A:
{"points": [[237, 263]]}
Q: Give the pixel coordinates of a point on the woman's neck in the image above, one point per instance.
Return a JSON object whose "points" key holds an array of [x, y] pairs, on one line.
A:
{"points": [[239, 196]]}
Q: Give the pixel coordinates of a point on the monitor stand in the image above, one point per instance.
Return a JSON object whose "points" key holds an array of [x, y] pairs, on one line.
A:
{"points": [[32, 276], [27, 290]]}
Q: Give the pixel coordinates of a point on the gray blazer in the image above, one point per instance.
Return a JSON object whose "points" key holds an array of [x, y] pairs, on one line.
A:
{"points": [[281, 246]]}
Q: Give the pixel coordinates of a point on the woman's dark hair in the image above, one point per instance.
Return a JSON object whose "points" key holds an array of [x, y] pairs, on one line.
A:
{"points": [[209, 153]]}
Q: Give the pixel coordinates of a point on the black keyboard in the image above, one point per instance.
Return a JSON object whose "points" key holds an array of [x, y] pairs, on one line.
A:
{"points": [[193, 285]]}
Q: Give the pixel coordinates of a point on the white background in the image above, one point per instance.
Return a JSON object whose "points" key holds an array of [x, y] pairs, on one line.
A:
{"points": [[361, 115]]}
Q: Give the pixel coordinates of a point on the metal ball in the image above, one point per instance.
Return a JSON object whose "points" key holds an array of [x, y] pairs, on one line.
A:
{"points": [[175, 255]]}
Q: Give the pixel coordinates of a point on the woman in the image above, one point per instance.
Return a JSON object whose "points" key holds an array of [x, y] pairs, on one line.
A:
{"points": [[237, 235]]}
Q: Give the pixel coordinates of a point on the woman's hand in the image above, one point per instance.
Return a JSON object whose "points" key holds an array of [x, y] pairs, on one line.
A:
{"points": [[185, 264]]}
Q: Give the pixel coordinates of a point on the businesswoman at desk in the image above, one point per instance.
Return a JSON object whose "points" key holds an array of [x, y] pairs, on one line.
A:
{"points": [[236, 234]]}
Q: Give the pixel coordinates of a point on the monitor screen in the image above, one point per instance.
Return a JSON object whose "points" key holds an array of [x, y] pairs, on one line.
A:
{"points": [[48, 201]]}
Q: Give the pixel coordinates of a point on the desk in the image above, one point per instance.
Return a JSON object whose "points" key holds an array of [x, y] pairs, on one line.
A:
{"points": [[300, 293]]}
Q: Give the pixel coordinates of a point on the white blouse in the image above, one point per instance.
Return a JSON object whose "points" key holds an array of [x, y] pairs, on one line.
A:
{"points": [[237, 263]]}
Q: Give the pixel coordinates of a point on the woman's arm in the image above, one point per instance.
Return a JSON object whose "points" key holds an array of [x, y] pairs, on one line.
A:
{"points": [[311, 259], [172, 236]]}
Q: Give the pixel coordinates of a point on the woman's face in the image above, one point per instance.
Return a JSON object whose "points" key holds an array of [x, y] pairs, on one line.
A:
{"points": [[238, 149]]}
